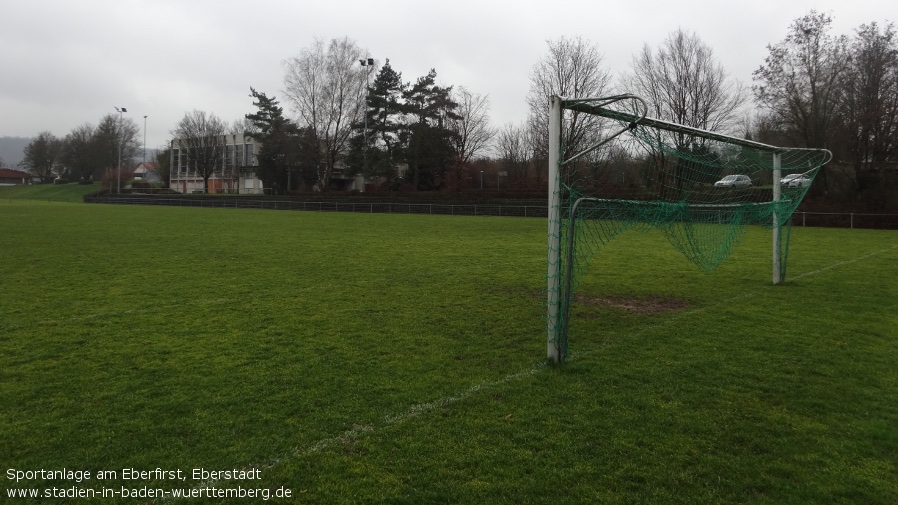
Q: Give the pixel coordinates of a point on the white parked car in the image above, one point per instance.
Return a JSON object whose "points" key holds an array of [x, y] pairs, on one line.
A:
{"points": [[795, 181], [734, 181]]}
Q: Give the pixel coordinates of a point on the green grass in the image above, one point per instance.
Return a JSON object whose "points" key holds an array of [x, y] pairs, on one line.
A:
{"points": [[48, 192], [399, 359]]}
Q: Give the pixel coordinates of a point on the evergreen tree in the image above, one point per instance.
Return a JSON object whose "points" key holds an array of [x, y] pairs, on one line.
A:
{"points": [[279, 138], [383, 151], [163, 165], [430, 148]]}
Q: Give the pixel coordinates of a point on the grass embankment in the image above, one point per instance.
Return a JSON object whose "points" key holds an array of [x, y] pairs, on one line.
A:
{"points": [[398, 359], [48, 192]]}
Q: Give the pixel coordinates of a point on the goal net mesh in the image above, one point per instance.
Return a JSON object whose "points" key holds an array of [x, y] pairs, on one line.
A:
{"points": [[699, 188]]}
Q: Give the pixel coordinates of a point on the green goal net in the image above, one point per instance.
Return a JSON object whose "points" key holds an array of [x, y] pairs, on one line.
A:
{"points": [[699, 188]]}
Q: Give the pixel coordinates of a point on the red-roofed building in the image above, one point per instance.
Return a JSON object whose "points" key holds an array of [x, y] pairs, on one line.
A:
{"points": [[12, 177], [146, 171]]}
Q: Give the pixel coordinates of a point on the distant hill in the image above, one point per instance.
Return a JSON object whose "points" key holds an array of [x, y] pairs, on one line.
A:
{"points": [[12, 150]]}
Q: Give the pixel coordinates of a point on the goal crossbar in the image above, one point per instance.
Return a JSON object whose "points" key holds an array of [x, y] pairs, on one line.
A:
{"points": [[597, 106]]}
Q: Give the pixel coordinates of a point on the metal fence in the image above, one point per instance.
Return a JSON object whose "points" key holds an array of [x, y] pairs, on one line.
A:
{"points": [[815, 219], [846, 220], [329, 206]]}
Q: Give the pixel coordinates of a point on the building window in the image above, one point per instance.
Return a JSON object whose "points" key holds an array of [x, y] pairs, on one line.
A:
{"points": [[229, 156], [249, 155], [239, 156], [175, 158]]}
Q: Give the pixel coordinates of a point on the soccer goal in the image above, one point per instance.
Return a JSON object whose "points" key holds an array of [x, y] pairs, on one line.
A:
{"points": [[700, 188]]}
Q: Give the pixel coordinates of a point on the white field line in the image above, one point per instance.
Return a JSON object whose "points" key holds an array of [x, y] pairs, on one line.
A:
{"points": [[352, 434], [843, 263]]}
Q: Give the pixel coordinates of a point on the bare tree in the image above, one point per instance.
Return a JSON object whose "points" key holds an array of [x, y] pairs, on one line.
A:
{"points": [[472, 128], [573, 68], [869, 111], [326, 87], [202, 137], [684, 84], [242, 126], [514, 150], [42, 156], [798, 82], [115, 133], [81, 153]]}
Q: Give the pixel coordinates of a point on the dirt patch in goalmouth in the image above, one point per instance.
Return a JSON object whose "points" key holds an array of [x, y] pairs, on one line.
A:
{"points": [[645, 305]]}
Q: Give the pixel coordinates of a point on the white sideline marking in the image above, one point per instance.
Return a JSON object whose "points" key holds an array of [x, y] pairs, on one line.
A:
{"points": [[416, 410], [843, 263]]}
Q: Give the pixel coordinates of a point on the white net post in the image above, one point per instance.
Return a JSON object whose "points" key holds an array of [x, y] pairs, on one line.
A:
{"points": [[553, 274], [777, 229]]}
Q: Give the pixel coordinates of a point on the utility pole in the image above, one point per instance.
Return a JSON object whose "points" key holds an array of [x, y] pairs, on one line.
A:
{"points": [[144, 139]]}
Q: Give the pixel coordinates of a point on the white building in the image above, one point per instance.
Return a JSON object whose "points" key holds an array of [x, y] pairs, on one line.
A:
{"points": [[237, 173]]}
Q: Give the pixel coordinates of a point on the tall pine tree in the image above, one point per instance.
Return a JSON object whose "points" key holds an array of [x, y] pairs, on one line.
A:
{"points": [[430, 149], [377, 151], [278, 135]]}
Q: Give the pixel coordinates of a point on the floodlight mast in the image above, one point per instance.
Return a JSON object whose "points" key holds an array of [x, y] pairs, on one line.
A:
{"points": [[118, 176], [367, 62]]}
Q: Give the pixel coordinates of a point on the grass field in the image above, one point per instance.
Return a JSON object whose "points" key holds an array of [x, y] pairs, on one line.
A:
{"points": [[399, 359], [48, 192]]}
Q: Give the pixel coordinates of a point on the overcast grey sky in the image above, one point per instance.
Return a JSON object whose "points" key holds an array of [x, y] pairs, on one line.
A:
{"points": [[64, 63]]}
